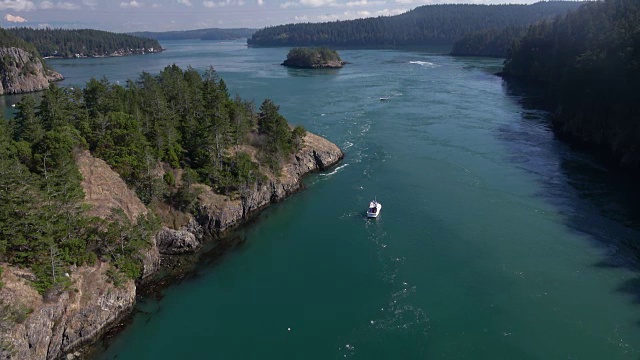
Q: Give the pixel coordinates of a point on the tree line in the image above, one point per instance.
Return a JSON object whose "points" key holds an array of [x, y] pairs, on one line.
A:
{"points": [[200, 34], [179, 118], [589, 64], [490, 42], [311, 57], [84, 42], [425, 25]]}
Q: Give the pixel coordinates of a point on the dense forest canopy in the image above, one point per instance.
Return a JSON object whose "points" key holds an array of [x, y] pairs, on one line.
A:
{"points": [[201, 34], [589, 64], [312, 58], [425, 25], [177, 122], [7, 40], [85, 42], [489, 42]]}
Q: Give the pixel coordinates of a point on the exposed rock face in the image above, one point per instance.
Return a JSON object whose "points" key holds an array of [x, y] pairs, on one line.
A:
{"points": [[63, 322], [218, 213], [51, 327], [104, 190], [171, 242], [23, 72]]}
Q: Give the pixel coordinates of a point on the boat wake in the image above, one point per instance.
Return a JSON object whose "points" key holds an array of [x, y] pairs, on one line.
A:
{"points": [[335, 170], [425, 64]]}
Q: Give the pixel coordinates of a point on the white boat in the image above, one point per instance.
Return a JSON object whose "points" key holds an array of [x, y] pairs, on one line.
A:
{"points": [[374, 209], [384, 98]]}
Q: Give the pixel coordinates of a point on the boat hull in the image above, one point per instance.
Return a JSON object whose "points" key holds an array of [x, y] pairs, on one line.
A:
{"points": [[374, 210]]}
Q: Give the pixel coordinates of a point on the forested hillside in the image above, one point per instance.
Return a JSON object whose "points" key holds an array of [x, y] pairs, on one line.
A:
{"points": [[201, 34], [425, 25], [490, 42], [90, 43], [589, 63], [160, 133]]}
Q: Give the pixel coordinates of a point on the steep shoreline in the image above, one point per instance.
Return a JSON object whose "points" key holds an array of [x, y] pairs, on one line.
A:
{"points": [[23, 72], [58, 325]]}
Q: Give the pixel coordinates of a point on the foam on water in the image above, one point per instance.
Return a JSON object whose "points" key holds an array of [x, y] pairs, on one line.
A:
{"points": [[426, 64]]}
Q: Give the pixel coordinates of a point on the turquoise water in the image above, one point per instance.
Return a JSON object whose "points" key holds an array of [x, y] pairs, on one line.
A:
{"points": [[495, 241]]}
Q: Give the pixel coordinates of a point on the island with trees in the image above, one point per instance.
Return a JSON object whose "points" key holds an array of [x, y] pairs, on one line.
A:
{"points": [[313, 58], [70, 43], [96, 185]]}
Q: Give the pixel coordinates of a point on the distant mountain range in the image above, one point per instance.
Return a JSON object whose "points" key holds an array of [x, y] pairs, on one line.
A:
{"points": [[424, 25], [201, 34]]}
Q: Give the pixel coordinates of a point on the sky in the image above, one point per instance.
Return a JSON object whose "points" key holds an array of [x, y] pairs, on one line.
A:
{"points": [[167, 15]]}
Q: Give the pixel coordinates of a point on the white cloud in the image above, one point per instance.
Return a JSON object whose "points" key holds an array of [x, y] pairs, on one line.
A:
{"points": [[46, 5], [66, 5], [331, 3], [349, 15], [390, 12], [362, 3], [289, 4], [317, 3], [213, 4], [91, 3], [17, 5], [14, 19], [156, 6], [260, 2], [185, 2], [131, 4]]}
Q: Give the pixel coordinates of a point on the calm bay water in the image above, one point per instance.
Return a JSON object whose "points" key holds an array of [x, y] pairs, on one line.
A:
{"points": [[495, 241]]}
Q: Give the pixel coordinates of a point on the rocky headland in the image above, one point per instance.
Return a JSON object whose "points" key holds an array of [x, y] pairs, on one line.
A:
{"points": [[58, 325], [22, 71]]}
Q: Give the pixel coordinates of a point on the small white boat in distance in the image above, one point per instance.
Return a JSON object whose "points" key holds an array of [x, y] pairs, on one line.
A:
{"points": [[384, 98], [374, 209]]}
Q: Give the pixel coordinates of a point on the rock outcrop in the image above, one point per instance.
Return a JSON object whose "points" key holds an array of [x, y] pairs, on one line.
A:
{"points": [[172, 242], [50, 327], [218, 213], [22, 71], [105, 191]]}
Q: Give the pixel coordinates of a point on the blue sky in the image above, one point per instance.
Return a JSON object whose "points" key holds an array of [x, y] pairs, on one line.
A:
{"points": [[164, 15]]}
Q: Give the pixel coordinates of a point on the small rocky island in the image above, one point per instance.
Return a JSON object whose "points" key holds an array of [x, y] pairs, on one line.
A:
{"points": [[313, 58]]}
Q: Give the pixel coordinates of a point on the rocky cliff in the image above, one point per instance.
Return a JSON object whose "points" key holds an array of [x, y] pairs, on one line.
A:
{"points": [[22, 71], [58, 325], [50, 327], [218, 213]]}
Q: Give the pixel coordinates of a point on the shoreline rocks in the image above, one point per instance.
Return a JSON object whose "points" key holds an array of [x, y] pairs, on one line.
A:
{"points": [[62, 324], [23, 72]]}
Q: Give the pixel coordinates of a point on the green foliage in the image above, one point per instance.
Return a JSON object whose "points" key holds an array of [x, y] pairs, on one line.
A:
{"points": [[121, 241], [8, 39], [424, 25], [84, 42], [589, 64], [13, 315], [311, 57], [178, 117], [490, 42], [200, 34]]}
